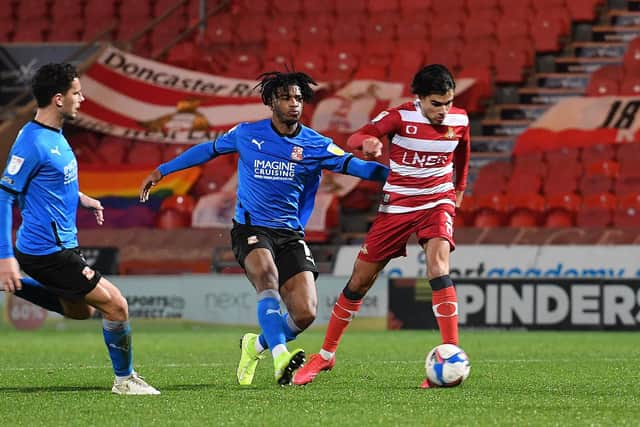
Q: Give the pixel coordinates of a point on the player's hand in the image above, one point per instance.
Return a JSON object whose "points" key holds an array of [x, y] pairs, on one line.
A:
{"points": [[148, 183], [10, 275], [372, 148], [94, 205], [459, 197]]}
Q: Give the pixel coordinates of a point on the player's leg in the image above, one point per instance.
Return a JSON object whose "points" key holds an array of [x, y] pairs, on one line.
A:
{"points": [[116, 331], [34, 292], [444, 299], [386, 239], [262, 272]]}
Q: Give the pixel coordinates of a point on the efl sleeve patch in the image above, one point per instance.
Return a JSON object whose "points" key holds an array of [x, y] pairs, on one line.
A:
{"points": [[14, 165], [335, 150]]}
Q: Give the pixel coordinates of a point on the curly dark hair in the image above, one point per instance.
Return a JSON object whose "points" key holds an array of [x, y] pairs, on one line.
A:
{"points": [[50, 79], [434, 79], [271, 81]]}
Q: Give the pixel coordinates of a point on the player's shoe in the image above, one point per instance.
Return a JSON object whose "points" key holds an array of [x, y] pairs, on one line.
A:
{"points": [[427, 384], [133, 384], [286, 364], [249, 359], [316, 364]]}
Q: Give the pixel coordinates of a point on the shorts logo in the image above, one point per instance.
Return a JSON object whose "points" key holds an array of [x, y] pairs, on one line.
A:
{"points": [[88, 273], [7, 180], [14, 165], [448, 224], [364, 249], [252, 240], [296, 154]]}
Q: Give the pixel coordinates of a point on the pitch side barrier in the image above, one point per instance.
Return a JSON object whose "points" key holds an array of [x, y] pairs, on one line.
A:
{"points": [[536, 304]]}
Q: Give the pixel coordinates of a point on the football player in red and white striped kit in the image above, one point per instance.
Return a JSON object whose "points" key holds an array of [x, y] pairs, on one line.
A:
{"points": [[429, 140]]}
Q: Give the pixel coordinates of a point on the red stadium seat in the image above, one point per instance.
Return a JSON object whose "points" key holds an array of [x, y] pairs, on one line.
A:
{"points": [[113, 150], [596, 210], [510, 64], [546, 30], [605, 81], [380, 27], [314, 7], [561, 210], [351, 8], [313, 31], [285, 7], [511, 10], [630, 85], [383, 6], [179, 203], [627, 213], [631, 58], [410, 8], [582, 10], [563, 157], [598, 153], [490, 210], [525, 209]]}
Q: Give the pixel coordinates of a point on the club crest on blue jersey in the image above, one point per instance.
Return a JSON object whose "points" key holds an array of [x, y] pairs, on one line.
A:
{"points": [[296, 154]]}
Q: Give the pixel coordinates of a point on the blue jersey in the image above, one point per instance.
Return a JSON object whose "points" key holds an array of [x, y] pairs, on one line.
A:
{"points": [[278, 176], [43, 172]]}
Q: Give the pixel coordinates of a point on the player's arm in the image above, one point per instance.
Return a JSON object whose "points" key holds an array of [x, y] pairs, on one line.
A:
{"points": [[337, 160], [9, 270], [369, 137], [461, 157], [93, 204], [24, 160], [194, 156]]}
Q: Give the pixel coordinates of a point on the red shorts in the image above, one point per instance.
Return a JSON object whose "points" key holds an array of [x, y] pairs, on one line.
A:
{"points": [[387, 238]]}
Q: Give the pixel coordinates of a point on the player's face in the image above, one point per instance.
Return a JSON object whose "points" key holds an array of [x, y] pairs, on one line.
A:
{"points": [[71, 100], [436, 107], [287, 105]]}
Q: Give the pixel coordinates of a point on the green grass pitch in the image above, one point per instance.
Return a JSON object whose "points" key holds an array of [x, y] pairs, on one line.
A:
{"points": [[60, 375]]}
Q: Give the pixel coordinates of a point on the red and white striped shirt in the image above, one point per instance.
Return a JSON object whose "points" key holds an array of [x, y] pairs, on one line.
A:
{"points": [[422, 156]]}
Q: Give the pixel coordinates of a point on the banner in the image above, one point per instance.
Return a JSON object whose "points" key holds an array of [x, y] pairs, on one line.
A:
{"points": [[583, 121], [518, 261], [124, 180], [134, 97], [553, 304]]}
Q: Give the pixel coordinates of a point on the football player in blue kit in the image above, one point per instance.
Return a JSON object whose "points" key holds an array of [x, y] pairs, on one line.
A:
{"points": [[42, 174], [279, 170]]}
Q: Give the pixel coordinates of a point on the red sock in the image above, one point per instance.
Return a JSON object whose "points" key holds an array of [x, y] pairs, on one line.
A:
{"points": [[343, 311], [445, 308]]}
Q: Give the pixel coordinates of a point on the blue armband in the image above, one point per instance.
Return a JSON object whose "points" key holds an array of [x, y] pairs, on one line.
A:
{"points": [[6, 204], [372, 171], [194, 156]]}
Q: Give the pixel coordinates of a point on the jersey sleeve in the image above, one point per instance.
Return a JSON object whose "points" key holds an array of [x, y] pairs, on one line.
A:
{"points": [[334, 158], [228, 142], [385, 123], [461, 160], [23, 162]]}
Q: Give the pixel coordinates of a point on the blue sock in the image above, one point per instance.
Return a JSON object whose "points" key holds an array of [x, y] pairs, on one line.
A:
{"points": [[34, 292], [117, 337], [270, 318], [291, 331]]}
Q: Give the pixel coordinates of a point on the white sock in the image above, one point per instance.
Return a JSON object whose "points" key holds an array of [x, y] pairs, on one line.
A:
{"points": [[259, 348], [279, 349], [120, 379], [326, 355]]}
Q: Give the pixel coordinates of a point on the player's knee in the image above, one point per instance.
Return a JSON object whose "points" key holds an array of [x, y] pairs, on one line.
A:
{"points": [[359, 284], [306, 317], [437, 269], [79, 312], [117, 309]]}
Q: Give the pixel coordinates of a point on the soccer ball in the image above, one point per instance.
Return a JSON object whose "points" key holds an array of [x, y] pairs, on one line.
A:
{"points": [[447, 365]]}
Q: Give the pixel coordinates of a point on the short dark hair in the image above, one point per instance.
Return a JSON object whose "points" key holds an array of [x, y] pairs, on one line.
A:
{"points": [[273, 80], [50, 79], [434, 79]]}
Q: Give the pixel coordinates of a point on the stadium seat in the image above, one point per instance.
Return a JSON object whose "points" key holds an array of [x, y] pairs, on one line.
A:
{"points": [[627, 212], [410, 8], [596, 210], [490, 210], [597, 153], [286, 7], [631, 59], [525, 209], [351, 8], [628, 153], [605, 81], [561, 209], [564, 157], [313, 31], [582, 10], [113, 150], [510, 63], [169, 219], [630, 85], [314, 7], [546, 30]]}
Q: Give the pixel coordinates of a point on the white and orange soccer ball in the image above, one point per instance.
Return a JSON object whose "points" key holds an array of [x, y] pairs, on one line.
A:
{"points": [[447, 365]]}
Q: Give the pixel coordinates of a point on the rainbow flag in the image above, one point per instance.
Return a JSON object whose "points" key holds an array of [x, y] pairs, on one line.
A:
{"points": [[125, 180]]}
